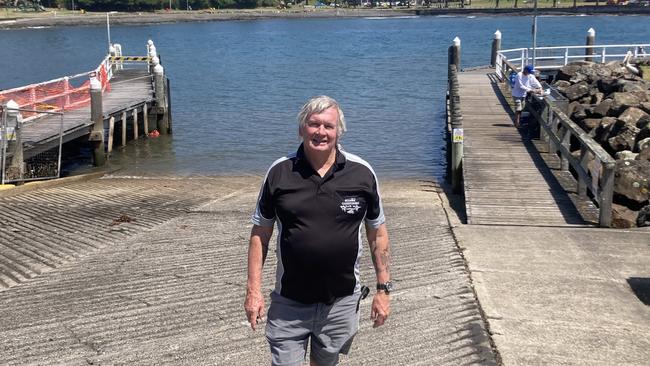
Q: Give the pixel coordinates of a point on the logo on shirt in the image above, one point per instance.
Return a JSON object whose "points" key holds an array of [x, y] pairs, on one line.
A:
{"points": [[350, 205]]}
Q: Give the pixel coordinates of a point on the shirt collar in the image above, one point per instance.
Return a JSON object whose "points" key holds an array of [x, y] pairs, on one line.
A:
{"points": [[339, 162]]}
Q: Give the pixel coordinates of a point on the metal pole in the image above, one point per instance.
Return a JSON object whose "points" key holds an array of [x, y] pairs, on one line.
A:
{"points": [[108, 30], [496, 47], [591, 40], [534, 33], [3, 130], [58, 169]]}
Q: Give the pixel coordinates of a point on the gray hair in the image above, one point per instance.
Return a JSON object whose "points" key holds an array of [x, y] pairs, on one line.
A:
{"points": [[317, 105]]}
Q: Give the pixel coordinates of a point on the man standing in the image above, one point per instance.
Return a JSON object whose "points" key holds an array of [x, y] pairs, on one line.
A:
{"points": [[319, 197], [525, 82]]}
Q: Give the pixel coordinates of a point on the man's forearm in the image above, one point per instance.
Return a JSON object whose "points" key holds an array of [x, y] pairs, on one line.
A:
{"points": [[380, 251], [257, 250]]}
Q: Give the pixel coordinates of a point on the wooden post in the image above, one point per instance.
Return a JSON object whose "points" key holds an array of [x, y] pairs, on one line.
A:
{"points": [[16, 169], [606, 195], [457, 136], [496, 47], [124, 128], [591, 40], [161, 100], [454, 53], [135, 123], [111, 130], [582, 184], [566, 142], [145, 119], [96, 115]]}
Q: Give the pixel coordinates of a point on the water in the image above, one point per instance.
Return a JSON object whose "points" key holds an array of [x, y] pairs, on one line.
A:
{"points": [[237, 86]]}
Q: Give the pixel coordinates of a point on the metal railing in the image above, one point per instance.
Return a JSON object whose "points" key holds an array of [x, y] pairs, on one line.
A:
{"points": [[593, 166], [42, 164], [556, 57]]}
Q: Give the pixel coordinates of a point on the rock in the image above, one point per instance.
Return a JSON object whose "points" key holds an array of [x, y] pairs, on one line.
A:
{"points": [[631, 179], [643, 144], [588, 124], [567, 72], [607, 85], [623, 217], [579, 113], [642, 135], [631, 86], [643, 121], [597, 98], [572, 108], [644, 217], [603, 109], [577, 91], [631, 116], [644, 150], [608, 126], [644, 155], [626, 155], [585, 100], [645, 106], [561, 85], [624, 140], [623, 101]]}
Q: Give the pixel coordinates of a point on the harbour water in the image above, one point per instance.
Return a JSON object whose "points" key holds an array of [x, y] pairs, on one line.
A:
{"points": [[237, 85]]}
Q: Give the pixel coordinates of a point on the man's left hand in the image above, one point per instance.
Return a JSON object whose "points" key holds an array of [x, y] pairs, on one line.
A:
{"points": [[380, 308]]}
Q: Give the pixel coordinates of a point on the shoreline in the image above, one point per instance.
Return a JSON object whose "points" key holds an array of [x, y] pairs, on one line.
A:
{"points": [[141, 18]]}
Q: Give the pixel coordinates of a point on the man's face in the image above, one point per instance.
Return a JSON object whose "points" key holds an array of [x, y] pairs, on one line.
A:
{"points": [[320, 133]]}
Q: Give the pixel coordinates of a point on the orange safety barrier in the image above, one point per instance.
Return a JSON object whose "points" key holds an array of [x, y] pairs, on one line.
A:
{"points": [[56, 95]]}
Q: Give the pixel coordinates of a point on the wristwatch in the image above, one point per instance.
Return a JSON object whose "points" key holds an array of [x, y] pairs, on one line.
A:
{"points": [[386, 286]]}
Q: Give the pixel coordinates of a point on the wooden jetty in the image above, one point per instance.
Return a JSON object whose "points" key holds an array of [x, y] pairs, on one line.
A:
{"points": [[505, 179], [564, 178], [126, 97]]}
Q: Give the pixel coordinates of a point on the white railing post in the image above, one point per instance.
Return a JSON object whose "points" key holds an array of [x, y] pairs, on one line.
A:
{"points": [[566, 56], [603, 56]]}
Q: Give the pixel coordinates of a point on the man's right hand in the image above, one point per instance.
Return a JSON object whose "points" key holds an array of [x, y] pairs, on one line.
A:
{"points": [[254, 306]]}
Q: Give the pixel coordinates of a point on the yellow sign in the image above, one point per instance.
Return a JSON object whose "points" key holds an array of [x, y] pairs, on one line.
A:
{"points": [[457, 135]]}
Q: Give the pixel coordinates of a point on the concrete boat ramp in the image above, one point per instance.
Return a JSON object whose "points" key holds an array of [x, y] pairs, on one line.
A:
{"points": [[114, 271]]}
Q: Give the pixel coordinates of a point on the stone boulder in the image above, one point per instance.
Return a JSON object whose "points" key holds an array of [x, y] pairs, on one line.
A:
{"points": [[645, 106], [631, 116], [623, 217], [607, 85], [626, 155], [644, 217], [623, 101], [577, 91], [624, 139], [567, 72], [631, 180], [589, 124], [561, 85], [608, 126], [603, 109], [643, 147]]}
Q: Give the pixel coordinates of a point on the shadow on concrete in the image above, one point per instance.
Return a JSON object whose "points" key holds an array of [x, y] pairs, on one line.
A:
{"points": [[641, 288]]}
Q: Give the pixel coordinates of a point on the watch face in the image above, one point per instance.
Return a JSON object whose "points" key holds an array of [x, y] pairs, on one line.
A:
{"points": [[389, 286]]}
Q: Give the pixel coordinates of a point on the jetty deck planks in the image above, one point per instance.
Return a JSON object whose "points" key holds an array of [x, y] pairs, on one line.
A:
{"points": [[506, 181], [129, 89]]}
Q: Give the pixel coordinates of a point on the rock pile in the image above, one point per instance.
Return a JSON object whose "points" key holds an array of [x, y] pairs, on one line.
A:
{"points": [[611, 102]]}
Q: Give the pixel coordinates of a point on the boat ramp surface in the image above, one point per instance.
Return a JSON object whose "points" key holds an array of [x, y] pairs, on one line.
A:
{"points": [[153, 271]]}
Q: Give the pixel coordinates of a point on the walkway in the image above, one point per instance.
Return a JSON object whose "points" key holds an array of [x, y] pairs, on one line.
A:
{"points": [[506, 181], [129, 88], [152, 271]]}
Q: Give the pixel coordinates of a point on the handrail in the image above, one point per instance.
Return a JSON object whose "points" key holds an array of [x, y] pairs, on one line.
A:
{"points": [[35, 95], [598, 52], [594, 166]]}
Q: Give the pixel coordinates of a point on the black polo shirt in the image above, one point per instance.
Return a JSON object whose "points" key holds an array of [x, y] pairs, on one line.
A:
{"points": [[319, 224]]}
